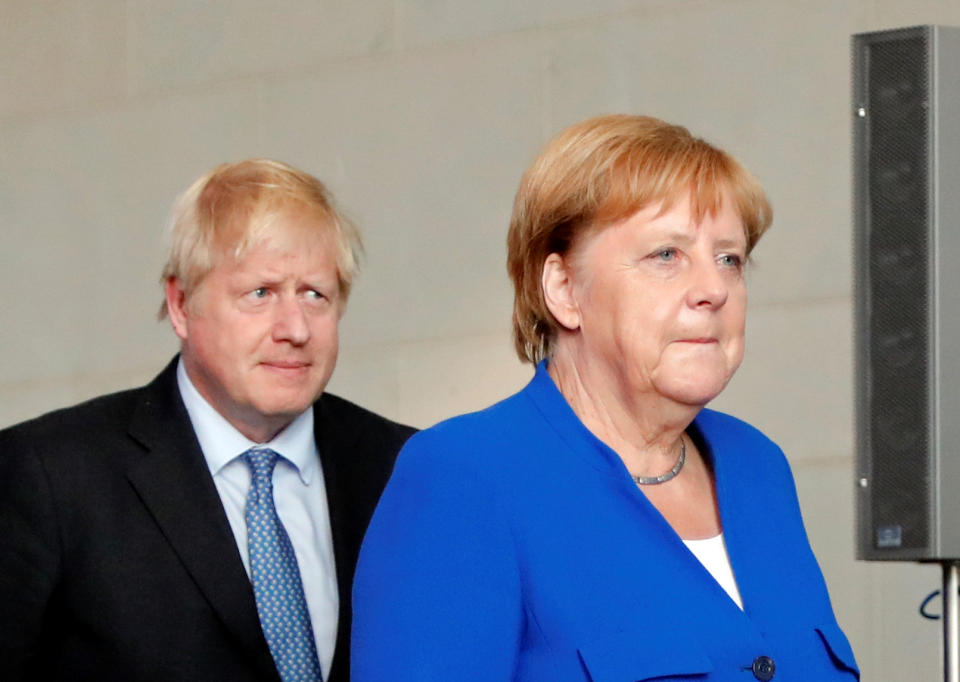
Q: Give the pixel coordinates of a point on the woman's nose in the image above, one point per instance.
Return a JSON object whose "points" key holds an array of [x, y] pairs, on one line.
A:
{"points": [[708, 286]]}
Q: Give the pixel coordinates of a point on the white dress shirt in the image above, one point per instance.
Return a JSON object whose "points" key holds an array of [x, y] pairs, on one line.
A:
{"points": [[299, 495]]}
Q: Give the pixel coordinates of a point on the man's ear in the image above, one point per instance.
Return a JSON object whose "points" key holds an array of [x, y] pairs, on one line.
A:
{"points": [[558, 292], [176, 306]]}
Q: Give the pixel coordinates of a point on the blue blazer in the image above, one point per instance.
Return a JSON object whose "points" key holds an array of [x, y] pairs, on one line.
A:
{"points": [[512, 545]]}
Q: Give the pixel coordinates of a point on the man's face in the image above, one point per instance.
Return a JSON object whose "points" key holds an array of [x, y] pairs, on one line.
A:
{"points": [[259, 334]]}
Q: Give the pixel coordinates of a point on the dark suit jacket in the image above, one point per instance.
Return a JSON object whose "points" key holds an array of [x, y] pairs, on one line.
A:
{"points": [[116, 558]]}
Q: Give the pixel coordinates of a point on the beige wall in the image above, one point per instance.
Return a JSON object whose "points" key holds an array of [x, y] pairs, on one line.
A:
{"points": [[421, 115]]}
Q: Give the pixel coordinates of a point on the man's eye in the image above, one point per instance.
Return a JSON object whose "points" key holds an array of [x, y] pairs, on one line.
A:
{"points": [[666, 255], [259, 292], [315, 295]]}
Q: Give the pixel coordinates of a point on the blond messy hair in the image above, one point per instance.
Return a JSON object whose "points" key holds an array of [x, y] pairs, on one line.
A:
{"points": [[233, 208], [597, 173]]}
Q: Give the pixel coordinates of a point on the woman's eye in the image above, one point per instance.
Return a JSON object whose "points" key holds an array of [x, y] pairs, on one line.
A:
{"points": [[730, 260], [666, 255]]}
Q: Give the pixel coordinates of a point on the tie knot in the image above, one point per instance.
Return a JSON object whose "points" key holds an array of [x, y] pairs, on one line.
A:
{"points": [[261, 461]]}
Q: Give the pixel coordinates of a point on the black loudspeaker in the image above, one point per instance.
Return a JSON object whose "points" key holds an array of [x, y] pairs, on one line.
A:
{"points": [[906, 122]]}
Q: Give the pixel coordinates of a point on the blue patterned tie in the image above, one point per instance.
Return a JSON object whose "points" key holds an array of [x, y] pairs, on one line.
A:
{"points": [[276, 579]]}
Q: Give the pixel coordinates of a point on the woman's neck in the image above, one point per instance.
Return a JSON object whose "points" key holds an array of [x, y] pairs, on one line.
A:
{"points": [[643, 428]]}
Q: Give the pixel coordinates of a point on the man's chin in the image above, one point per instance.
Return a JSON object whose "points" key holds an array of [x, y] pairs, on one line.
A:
{"points": [[284, 404]]}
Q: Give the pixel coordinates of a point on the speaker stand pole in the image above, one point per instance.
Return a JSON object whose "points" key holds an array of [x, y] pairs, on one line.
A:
{"points": [[951, 621]]}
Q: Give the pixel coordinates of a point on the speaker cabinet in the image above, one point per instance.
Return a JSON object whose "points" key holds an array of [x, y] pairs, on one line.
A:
{"points": [[906, 122]]}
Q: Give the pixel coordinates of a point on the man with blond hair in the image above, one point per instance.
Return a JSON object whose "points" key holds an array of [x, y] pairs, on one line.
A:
{"points": [[205, 526]]}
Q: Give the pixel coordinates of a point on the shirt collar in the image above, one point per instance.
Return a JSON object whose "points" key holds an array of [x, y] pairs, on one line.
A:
{"points": [[221, 442]]}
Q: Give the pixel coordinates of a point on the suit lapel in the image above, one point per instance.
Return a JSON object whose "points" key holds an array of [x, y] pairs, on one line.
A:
{"points": [[335, 443], [175, 484], [338, 440], [330, 446]]}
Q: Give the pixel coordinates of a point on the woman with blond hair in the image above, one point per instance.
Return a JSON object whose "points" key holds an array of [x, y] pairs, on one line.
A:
{"points": [[602, 524]]}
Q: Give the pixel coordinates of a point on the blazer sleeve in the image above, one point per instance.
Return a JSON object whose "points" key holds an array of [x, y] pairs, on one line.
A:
{"points": [[437, 591], [29, 554]]}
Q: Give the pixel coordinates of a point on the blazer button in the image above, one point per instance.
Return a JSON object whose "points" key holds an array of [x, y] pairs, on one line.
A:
{"points": [[764, 668]]}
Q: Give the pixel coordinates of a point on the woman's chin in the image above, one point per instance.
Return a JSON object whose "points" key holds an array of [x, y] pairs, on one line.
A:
{"points": [[695, 393]]}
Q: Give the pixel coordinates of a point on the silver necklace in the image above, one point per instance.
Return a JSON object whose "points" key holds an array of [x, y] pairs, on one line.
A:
{"points": [[663, 478]]}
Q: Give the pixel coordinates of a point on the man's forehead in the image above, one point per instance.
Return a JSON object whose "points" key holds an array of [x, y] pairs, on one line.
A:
{"points": [[291, 232], [306, 259]]}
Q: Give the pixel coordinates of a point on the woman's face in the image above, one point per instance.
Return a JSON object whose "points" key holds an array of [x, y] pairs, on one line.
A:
{"points": [[661, 302]]}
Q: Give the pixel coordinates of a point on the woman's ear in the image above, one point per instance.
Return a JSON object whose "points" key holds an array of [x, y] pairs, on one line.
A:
{"points": [[558, 292]]}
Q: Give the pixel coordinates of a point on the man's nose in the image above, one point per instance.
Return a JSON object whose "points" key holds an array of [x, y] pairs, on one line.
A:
{"points": [[290, 323]]}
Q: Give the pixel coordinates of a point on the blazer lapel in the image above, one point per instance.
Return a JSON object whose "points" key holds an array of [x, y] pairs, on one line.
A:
{"points": [[174, 483]]}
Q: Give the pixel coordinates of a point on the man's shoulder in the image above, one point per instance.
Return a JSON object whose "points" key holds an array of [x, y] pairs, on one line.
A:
{"points": [[97, 414], [358, 444], [333, 407], [92, 420]]}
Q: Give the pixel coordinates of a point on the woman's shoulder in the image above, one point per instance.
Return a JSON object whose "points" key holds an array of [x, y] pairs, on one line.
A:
{"points": [[720, 425], [474, 438], [736, 444]]}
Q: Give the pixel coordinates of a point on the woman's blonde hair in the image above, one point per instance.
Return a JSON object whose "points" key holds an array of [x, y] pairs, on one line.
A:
{"points": [[601, 171], [234, 208]]}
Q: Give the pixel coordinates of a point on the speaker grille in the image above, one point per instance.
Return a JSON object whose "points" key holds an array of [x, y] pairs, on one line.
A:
{"points": [[897, 319]]}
